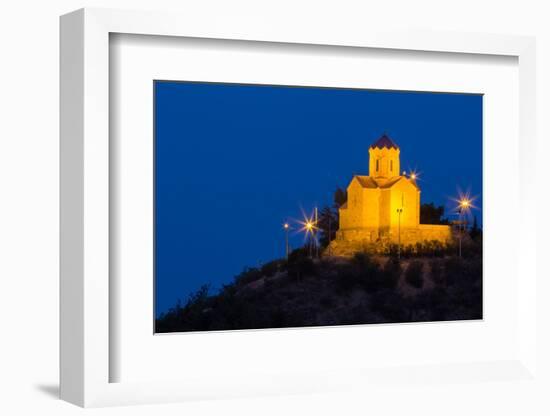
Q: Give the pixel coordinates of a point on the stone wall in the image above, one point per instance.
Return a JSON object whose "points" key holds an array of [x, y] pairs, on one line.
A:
{"points": [[369, 235], [441, 233], [409, 235], [351, 241]]}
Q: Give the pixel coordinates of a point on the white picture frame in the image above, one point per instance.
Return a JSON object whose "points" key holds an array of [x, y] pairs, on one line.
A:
{"points": [[85, 206]]}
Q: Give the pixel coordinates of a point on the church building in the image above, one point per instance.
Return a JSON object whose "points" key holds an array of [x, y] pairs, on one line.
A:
{"points": [[384, 207]]}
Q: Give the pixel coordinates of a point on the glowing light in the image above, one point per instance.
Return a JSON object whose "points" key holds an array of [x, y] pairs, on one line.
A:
{"points": [[309, 225], [464, 202], [286, 226], [414, 174]]}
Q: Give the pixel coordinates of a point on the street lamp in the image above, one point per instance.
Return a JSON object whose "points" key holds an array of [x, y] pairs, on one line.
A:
{"points": [[464, 204], [286, 226], [315, 234], [310, 232], [329, 234], [309, 226], [399, 212], [413, 175]]}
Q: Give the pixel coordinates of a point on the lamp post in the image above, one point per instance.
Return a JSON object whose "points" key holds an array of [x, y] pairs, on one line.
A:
{"points": [[315, 234], [329, 234], [399, 212], [310, 228], [460, 232], [286, 227], [309, 231], [464, 204]]}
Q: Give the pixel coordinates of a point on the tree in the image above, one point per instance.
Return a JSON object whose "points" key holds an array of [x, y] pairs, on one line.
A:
{"points": [[414, 275], [329, 218], [328, 224], [431, 214], [340, 197], [475, 231]]}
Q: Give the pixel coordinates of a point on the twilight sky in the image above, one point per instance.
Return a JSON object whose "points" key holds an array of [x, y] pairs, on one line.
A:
{"points": [[233, 162]]}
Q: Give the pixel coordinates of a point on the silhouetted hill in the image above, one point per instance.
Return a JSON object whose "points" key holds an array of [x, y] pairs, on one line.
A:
{"points": [[337, 291]]}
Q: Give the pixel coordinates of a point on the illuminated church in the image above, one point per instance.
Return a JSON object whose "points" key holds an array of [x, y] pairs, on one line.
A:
{"points": [[384, 207]]}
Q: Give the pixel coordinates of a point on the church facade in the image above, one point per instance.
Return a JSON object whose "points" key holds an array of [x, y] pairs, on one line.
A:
{"points": [[384, 206]]}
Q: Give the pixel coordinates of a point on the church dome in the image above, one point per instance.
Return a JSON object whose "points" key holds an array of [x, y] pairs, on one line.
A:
{"points": [[384, 141]]}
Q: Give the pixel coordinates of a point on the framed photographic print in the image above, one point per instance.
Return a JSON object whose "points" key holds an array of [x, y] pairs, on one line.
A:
{"points": [[287, 235], [303, 212]]}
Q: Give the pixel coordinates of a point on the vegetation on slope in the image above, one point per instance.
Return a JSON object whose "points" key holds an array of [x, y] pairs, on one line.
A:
{"points": [[424, 285]]}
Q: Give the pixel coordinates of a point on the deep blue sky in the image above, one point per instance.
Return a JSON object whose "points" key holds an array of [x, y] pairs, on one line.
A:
{"points": [[233, 162]]}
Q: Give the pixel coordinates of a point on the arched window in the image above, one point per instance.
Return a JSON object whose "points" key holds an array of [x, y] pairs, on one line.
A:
{"points": [[391, 165], [377, 164]]}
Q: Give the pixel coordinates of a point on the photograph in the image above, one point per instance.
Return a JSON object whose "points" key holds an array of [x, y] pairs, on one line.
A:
{"points": [[285, 206], [275, 208]]}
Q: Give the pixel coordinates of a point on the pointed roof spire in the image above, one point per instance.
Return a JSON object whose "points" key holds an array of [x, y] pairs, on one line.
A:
{"points": [[384, 141]]}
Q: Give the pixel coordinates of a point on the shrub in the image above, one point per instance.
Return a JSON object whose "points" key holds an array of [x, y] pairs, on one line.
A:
{"points": [[195, 315], [248, 275], [390, 274], [362, 259], [298, 253], [199, 297], [438, 248], [299, 264], [326, 301], [408, 251], [346, 279], [413, 275], [390, 305], [419, 249], [364, 265], [269, 269], [437, 272], [454, 270], [278, 319], [392, 250], [431, 305], [475, 269], [367, 273], [471, 248]]}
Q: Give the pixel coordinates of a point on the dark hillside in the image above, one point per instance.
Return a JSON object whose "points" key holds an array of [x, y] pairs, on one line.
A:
{"points": [[335, 291]]}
